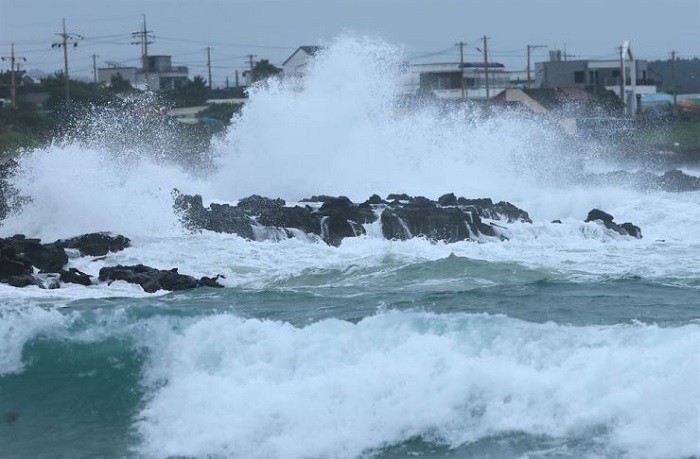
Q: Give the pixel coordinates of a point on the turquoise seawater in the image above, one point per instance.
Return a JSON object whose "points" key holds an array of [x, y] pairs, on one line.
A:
{"points": [[420, 361]]}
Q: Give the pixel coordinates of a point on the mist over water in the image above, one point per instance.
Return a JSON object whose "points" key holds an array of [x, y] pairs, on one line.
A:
{"points": [[346, 129], [348, 133]]}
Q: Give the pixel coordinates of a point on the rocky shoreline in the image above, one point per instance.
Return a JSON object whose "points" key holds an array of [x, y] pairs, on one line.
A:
{"points": [[331, 219], [25, 261]]}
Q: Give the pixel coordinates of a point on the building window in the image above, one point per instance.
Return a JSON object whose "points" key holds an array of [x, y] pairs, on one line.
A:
{"points": [[440, 80], [593, 77], [579, 77], [616, 73]]}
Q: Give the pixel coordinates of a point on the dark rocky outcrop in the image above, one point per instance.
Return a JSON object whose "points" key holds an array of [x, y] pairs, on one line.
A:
{"points": [[675, 181], [679, 181], [437, 223], [12, 262], [73, 276], [220, 218], [448, 199], [152, 279], [625, 229], [333, 219], [46, 257], [398, 197], [22, 280], [95, 244], [258, 205], [20, 257], [340, 218]]}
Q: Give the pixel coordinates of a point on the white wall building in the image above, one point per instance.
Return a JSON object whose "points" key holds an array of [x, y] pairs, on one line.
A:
{"points": [[448, 80], [296, 65], [161, 74]]}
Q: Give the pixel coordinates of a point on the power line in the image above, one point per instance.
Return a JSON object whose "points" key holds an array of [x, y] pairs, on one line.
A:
{"points": [[529, 51], [143, 37], [250, 61], [209, 64], [240, 45], [67, 38], [461, 45], [486, 64], [13, 59], [94, 68]]}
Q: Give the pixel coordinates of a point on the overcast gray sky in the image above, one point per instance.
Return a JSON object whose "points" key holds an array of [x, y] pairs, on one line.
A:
{"points": [[272, 29]]}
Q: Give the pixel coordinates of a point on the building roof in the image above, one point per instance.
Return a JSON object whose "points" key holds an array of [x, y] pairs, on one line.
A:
{"points": [[491, 65], [311, 50], [553, 97]]}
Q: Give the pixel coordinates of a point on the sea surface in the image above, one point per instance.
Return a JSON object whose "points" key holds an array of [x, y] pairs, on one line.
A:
{"points": [[564, 341]]}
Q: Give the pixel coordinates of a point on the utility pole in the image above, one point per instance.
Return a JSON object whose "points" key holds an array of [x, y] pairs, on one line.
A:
{"points": [[66, 39], [486, 65], [227, 82], [529, 51], [461, 45], [622, 78], [142, 38], [209, 64], [94, 68], [12, 58], [250, 61], [237, 83], [673, 78]]}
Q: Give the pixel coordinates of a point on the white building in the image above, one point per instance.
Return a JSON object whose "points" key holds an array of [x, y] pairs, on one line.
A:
{"points": [[161, 74], [610, 74], [296, 65], [453, 80]]}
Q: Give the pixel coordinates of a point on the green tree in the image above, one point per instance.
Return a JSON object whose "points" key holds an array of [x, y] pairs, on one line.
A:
{"points": [[194, 93], [81, 93], [120, 84], [264, 70]]}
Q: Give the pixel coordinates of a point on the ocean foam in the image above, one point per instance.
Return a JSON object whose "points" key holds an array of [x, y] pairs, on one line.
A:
{"points": [[248, 388], [18, 325], [345, 133]]}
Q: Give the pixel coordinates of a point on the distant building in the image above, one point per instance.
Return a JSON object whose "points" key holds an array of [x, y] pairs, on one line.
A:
{"points": [[160, 75], [558, 73], [445, 80], [296, 65], [130, 74], [589, 73]]}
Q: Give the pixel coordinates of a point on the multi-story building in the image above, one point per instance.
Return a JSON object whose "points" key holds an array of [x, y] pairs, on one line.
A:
{"points": [[159, 74], [596, 73], [453, 80]]}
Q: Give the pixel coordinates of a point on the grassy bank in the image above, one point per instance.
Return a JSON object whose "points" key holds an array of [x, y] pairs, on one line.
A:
{"points": [[681, 136]]}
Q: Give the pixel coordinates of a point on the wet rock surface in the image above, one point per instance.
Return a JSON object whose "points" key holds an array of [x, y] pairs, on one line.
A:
{"points": [[625, 229], [675, 181], [152, 279], [46, 257], [332, 219], [25, 262], [96, 244]]}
